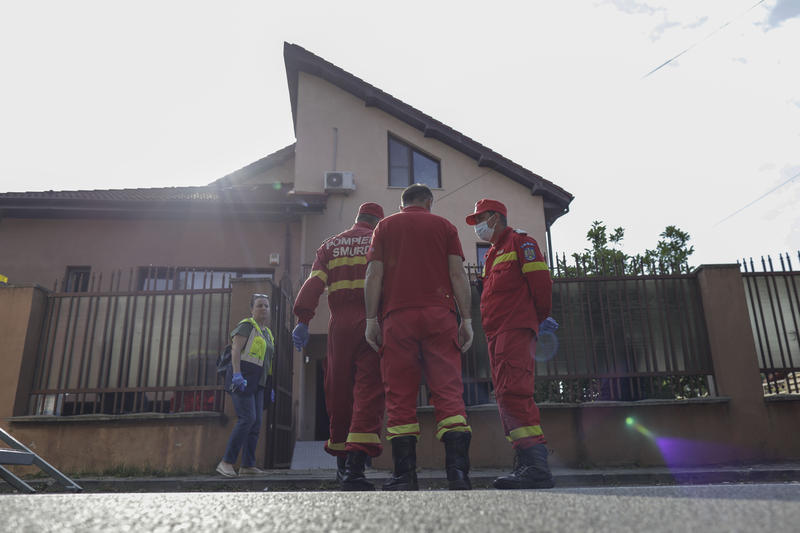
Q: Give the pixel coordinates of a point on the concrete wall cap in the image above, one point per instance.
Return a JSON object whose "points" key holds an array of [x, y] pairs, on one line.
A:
{"points": [[717, 265], [133, 417]]}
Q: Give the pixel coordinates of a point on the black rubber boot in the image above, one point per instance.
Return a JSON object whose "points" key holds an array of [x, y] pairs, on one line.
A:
{"points": [[456, 462], [340, 466], [354, 478], [404, 454], [531, 471]]}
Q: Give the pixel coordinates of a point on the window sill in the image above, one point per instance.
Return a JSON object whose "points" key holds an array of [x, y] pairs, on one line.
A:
{"points": [[133, 417], [600, 404], [400, 188], [777, 398]]}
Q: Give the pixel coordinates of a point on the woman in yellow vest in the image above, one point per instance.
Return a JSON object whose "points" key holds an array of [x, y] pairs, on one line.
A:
{"points": [[252, 350]]}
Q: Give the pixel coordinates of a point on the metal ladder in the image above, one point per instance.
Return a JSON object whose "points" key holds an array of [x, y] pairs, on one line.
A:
{"points": [[22, 455]]}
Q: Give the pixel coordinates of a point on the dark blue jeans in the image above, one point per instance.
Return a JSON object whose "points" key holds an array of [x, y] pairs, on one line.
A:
{"points": [[244, 437]]}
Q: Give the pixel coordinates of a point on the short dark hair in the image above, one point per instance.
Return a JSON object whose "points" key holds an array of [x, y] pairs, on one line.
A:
{"points": [[368, 219], [415, 192]]}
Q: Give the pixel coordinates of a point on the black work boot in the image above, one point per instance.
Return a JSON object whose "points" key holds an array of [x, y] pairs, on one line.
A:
{"points": [[530, 470], [404, 453], [456, 462], [340, 466], [354, 478]]}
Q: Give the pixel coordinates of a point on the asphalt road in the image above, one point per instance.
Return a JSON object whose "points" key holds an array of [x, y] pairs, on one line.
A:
{"points": [[704, 508]]}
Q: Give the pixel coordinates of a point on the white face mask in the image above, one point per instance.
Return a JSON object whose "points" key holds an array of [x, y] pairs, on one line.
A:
{"points": [[483, 231]]}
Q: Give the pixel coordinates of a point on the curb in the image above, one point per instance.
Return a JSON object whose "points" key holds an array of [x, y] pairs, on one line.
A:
{"points": [[319, 480]]}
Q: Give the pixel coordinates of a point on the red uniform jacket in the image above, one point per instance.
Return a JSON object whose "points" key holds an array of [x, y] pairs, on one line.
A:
{"points": [[517, 289], [340, 265]]}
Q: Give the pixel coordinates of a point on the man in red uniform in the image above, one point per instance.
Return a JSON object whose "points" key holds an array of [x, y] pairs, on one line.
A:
{"points": [[516, 298], [415, 272], [353, 387]]}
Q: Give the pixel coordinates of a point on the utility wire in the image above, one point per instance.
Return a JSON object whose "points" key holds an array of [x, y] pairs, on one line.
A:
{"points": [[668, 61], [459, 188], [756, 200]]}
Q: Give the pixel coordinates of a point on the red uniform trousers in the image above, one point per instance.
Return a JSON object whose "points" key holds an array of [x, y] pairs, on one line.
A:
{"points": [[353, 388], [417, 339], [511, 356]]}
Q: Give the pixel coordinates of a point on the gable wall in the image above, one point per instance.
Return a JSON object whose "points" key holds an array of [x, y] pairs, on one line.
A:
{"points": [[362, 148]]}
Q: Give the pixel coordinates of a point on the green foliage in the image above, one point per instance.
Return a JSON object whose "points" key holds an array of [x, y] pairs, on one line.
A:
{"points": [[604, 258]]}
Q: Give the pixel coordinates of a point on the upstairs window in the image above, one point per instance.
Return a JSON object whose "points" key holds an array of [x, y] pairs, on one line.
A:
{"points": [[408, 165]]}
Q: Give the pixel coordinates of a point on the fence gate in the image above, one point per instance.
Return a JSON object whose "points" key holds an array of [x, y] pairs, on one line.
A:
{"points": [[280, 430]]}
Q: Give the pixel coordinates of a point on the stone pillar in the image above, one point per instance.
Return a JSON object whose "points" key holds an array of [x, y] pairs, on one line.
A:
{"points": [[733, 353], [22, 309]]}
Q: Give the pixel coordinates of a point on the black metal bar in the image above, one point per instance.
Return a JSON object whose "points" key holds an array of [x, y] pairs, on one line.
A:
{"points": [[161, 338], [62, 359], [86, 340], [44, 344], [774, 317], [783, 323]]}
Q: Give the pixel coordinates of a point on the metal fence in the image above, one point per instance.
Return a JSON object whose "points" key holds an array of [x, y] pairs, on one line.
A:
{"points": [[133, 347], [620, 338], [773, 300]]}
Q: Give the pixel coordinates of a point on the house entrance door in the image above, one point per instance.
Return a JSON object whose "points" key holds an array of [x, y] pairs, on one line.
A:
{"points": [[280, 430]]}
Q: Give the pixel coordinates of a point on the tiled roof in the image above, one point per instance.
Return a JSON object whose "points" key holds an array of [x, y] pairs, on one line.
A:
{"points": [[260, 166], [204, 193], [257, 200], [298, 59]]}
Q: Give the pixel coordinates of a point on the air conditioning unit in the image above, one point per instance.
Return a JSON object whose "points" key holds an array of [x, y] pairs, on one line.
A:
{"points": [[338, 181]]}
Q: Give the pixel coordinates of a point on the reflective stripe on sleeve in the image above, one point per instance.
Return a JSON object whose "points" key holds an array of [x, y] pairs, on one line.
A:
{"points": [[406, 430], [364, 438], [320, 274], [346, 284], [342, 261], [533, 266], [510, 256], [525, 431]]}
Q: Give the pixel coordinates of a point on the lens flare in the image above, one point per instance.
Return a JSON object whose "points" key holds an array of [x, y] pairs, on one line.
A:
{"points": [[678, 452], [546, 347]]}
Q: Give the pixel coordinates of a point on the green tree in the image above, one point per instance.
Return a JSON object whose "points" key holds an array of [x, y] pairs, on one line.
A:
{"points": [[605, 258], [672, 252]]}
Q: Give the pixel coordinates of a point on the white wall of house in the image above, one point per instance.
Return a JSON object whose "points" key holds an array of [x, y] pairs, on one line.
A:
{"points": [[336, 131], [328, 118]]}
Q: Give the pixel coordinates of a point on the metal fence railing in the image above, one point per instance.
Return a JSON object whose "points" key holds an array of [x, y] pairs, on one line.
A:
{"points": [[620, 338], [773, 299], [131, 349], [628, 338]]}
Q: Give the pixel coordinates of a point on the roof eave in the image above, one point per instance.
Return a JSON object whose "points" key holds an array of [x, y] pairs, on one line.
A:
{"points": [[110, 209], [298, 59]]}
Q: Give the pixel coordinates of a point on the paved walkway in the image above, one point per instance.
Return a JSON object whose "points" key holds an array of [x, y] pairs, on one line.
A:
{"points": [[323, 479], [695, 508]]}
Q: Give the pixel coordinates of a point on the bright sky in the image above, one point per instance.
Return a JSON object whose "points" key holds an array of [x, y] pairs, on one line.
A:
{"points": [[125, 94]]}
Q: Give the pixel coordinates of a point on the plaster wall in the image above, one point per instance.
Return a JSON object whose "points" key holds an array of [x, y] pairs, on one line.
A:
{"points": [[336, 131], [39, 250]]}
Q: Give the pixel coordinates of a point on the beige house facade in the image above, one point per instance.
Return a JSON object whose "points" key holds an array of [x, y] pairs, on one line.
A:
{"points": [[344, 124], [268, 218]]}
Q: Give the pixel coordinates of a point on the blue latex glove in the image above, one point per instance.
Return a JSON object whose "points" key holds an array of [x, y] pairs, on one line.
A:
{"points": [[238, 382], [547, 344], [300, 336], [548, 326]]}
